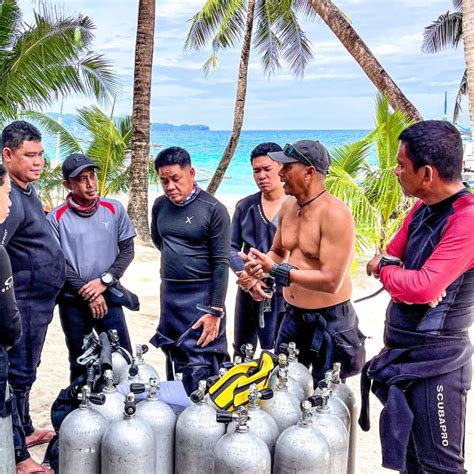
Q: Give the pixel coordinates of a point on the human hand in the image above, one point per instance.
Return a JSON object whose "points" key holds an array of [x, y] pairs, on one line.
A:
{"points": [[98, 307], [210, 329], [373, 266], [245, 281], [257, 292], [258, 264], [92, 289]]}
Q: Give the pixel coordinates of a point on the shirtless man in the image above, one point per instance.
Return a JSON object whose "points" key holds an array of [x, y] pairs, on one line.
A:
{"points": [[311, 257]]}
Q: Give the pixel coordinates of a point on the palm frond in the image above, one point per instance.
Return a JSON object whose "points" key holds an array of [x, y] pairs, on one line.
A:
{"points": [[303, 7], [206, 23], [10, 15], [462, 91], [210, 65], [457, 4], [444, 32]]}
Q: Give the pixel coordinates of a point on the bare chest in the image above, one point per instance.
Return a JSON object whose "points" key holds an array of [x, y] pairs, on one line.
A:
{"points": [[301, 236]]}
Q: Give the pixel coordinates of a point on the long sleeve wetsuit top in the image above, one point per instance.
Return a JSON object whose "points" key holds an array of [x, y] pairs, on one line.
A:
{"points": [[194, 241]]}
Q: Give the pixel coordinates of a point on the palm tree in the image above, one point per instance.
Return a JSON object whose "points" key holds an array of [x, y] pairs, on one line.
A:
{"points": [[447, 31], [50, 58], [109, 146], [349, 38], [468, 38], [278, 35], [138, 198]]}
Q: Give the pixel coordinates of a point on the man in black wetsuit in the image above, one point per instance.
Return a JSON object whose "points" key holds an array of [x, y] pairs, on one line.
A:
{"points": [[37, 262], [191, 230], [424, 371]]}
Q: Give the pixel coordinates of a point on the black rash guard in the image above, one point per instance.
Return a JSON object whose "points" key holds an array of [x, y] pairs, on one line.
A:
{"points": [[194, 241], [10, 324]]}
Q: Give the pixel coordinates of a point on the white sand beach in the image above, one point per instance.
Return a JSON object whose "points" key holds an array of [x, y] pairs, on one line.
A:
{"points": [[143, 278]]}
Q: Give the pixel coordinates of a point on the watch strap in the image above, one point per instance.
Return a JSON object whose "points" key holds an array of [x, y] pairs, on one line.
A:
{"points": [[212, 311], [281, 273]]}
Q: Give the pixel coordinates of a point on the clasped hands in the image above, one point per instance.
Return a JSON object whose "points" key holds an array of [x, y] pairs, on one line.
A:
{"points": [[92, 294], [257, 266]]}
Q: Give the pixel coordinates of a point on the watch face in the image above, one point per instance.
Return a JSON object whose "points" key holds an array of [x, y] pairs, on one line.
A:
{"points": [[106, 278]]}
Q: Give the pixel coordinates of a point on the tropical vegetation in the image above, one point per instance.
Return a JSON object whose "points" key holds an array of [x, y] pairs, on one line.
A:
{"points": [[273, 29], [47, 59]]}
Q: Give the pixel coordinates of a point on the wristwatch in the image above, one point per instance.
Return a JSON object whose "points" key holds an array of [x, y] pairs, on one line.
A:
{"points": [[387, 260], [281, 273], [107, 279]]}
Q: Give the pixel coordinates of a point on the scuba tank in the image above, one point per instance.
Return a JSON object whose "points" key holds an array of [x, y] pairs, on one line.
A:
{"points": [[296, 370], [7, 450], [121, 358], [261, 424], [334, 431], [283, 407], [343, 392], [139, 372], [112, 409], [80, 436], [197, 432], [240, 451], [249, 352], [128, 445], [302, 448], [294, 387], [162, 420]]}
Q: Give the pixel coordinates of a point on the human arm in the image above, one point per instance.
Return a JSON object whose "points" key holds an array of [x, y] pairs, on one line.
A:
{"points": [[449, 260], [155, 235], [10, 322]]}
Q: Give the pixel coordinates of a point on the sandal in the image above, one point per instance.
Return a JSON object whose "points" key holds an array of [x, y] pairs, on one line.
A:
{"points": [[30, 466]]}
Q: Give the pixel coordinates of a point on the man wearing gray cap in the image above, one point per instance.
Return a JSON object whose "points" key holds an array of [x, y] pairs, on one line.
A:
{"points": [[96, 236], [311, 257]]}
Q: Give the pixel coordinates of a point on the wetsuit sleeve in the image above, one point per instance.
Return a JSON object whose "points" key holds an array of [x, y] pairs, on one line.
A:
{"points": [[124, 258], [10, 323], [155, 236], [73, 280], [450, 259], [236, 241], [220, 250], [398, 244], [13, 221]]}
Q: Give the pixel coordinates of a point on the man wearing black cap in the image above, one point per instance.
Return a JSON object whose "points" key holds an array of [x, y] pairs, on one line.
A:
{"points": [[38, 271], [96, 236], [310, 257]]}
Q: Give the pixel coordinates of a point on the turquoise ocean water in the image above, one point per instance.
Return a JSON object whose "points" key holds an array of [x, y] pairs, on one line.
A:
{"points": [[206, 147]]}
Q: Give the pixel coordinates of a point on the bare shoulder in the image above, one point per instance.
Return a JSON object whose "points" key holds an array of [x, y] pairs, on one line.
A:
{"points": [[288, 204], [336, 212]]}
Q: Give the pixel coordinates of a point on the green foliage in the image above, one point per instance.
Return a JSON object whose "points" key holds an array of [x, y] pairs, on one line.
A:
{"points": [[48, 59], [372, 193], [221, 24]]}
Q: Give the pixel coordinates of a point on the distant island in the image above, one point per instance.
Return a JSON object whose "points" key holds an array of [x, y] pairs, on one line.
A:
{"points": [[69, 120]]}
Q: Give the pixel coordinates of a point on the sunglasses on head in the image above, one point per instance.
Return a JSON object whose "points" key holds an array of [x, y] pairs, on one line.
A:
{"points": [[292, 152]]}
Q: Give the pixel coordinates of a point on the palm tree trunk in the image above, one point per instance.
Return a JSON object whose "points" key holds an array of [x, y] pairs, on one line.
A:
{"points": [[468, 38], [362, 54], [239, 103], [138, 195]]}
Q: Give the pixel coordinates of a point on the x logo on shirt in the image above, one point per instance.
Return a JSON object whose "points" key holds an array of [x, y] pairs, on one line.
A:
{"points": [[188, 220]]}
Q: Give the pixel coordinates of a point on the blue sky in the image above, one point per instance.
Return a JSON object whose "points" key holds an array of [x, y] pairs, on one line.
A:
{"points": [[334, 94]]}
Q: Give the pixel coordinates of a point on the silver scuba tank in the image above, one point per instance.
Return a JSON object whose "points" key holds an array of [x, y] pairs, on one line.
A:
{"points": [[334, 431], [121, 358], [302, 449], [240, 451], [138, 372], [296, 370], [294, 387], [80, 436], [249, 352], [128, 445], [7, 450], [197, 432], [260, 423], [112, 409], [162, 420], [343, 392], [283, 407]]}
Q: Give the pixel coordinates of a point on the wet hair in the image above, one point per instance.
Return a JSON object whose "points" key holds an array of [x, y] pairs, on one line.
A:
{"points": [[16, 133], [435, 143], [264, 149], [173, 155], [3, 173]]}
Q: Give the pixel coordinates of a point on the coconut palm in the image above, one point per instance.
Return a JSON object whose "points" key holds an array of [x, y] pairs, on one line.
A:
{"points": [[468, 38], [278, 35], [50, 58], [447, 32], [108, 146], [346, 34], [138, 199]]}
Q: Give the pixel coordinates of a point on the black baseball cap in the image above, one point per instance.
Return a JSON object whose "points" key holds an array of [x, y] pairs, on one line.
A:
{"points": [[75, 163], [308, 152]]}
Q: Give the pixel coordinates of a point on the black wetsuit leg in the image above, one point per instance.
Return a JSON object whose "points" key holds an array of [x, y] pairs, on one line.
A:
{"points": [[77, 321], [439, 408]]}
